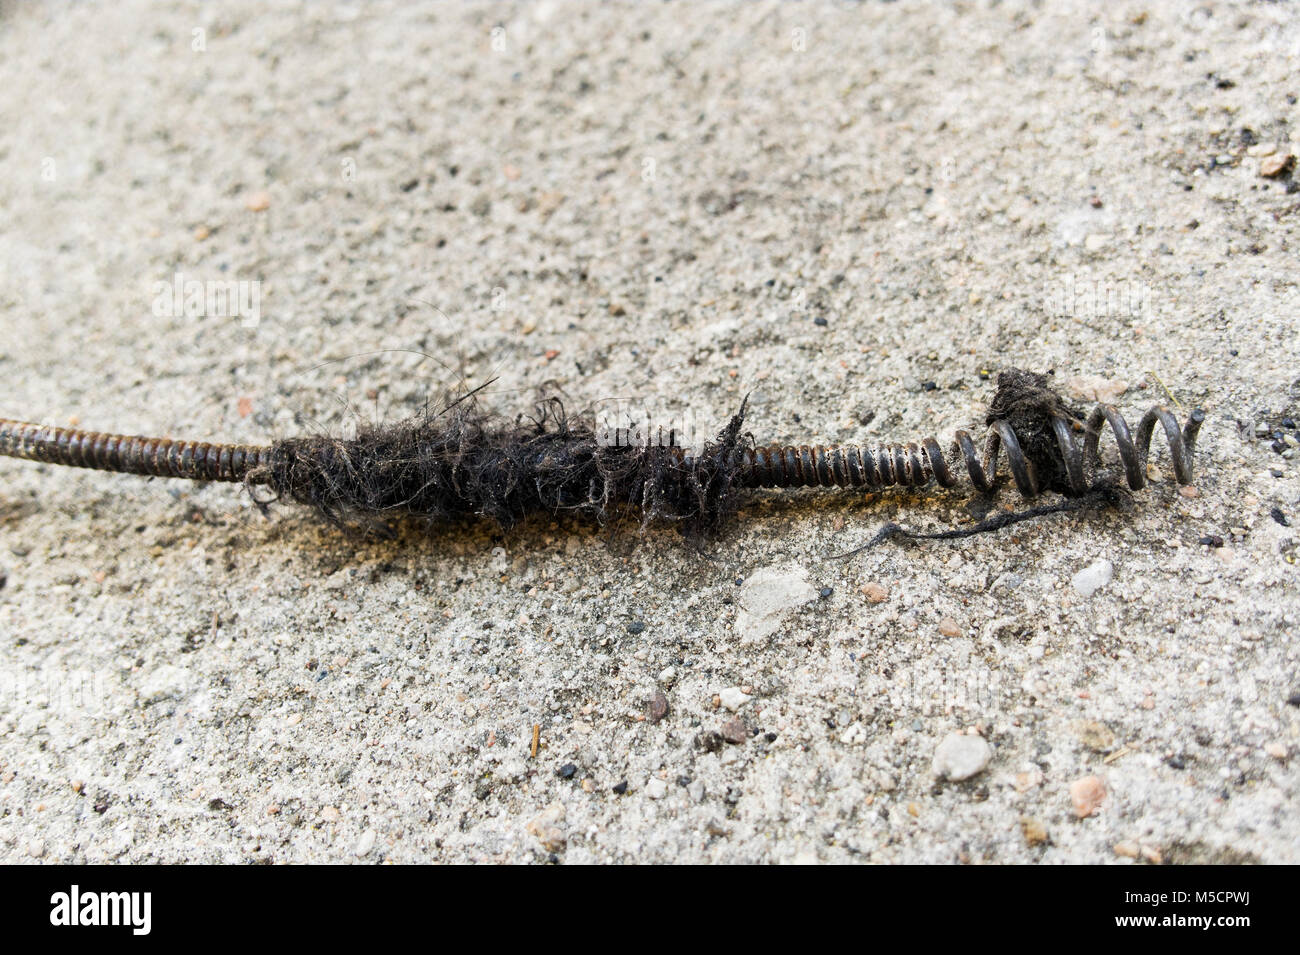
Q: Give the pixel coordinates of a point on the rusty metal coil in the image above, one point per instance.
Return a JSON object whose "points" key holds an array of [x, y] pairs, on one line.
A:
{"points": [[132, 454], [773, 466], [917, 464]]}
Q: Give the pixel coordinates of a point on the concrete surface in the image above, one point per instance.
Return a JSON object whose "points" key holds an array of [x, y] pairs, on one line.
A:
{"points": [[829, 205]]}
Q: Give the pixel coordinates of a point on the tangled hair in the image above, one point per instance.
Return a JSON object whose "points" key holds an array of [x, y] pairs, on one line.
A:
{"points": [[461, 464], [1028, 402]]}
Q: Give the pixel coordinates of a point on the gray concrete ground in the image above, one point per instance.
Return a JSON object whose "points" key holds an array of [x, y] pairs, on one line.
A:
{"points": [[828, 205]]}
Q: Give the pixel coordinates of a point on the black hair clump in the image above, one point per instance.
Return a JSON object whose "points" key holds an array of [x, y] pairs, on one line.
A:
{"points": [[1027, 401], [461, 464]]}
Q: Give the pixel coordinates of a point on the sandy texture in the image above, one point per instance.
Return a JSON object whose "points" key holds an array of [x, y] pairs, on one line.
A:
{"points": [[850, 211]]}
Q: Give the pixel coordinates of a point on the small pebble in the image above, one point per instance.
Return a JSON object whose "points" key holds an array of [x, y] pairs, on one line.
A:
{"points": [[1092, 578], [769, 595], [1087, 795], [1277, 515], [874, 593], [656, 788], [733, 699], [1128, 849], [259, 202], [567, 771], [1274, 167], [1276, 750], [657, 708], [949, 627], [960, 757], [735, 731], [1211, 540], [365, 843], [635, 627]]}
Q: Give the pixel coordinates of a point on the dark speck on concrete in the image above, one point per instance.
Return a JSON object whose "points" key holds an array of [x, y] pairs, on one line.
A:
{"points": [[567, 771], [635, 627], [709, 741]]}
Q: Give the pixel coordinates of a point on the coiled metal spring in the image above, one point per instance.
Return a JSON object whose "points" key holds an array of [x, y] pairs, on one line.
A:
{"points": [[915, 465], [130, 454], [773, 466]]}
